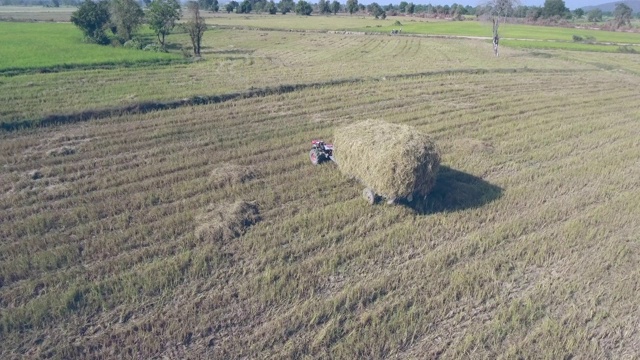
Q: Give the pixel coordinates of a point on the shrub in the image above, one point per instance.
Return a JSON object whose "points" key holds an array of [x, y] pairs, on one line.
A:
{"points": [[133, 44], [151, 47], [626, 49], [577, 38]]}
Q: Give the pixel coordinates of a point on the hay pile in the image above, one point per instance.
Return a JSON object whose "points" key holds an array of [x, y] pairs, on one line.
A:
{"points": [[223, 222], [396, 161], [62, 151], [230, 174]]}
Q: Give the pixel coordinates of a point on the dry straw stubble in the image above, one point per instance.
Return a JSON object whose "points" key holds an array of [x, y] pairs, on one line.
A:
{"points": [[396, 161]]}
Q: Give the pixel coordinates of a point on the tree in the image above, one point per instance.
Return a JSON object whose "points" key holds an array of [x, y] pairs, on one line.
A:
{"points": [[92, 18], [534, 13], [579, 13], [271, 8], [258, 6], [245, 7], [411, 8], [127, 16], [195, 26], [335, 7], [286, 6], [403, 6], [162, 17], [376, 10], [303, 8], [595, 15], [622, 15], [553, 8], [470, 10], [352, 6], [324, 7], [231, 6], [209, 5], [55, 3], [500, 10]]}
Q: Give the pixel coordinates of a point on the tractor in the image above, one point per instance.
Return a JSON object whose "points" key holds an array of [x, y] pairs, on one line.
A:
{"points": [[320, 151]]}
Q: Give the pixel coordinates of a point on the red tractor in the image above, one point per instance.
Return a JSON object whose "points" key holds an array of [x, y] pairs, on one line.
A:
{"points": [[320, 152]]}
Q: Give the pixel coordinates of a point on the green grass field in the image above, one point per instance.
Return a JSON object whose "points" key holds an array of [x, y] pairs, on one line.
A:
{"points": [[575, 46], [41, 45], [527, 247], [514, 31]]}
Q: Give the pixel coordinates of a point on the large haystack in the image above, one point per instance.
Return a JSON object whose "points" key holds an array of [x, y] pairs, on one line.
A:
{"points": [[396, 161]]}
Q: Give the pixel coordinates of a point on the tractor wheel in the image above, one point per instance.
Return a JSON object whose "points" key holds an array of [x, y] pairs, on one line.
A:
{"points": [[314, 156], [369, 195]]}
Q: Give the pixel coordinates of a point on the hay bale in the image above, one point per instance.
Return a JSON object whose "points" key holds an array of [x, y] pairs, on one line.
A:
{"points": [[396, 161], [223, 222]]}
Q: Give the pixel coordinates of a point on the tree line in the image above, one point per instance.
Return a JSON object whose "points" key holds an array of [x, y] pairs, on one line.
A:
{"points": [[122, 18], [556, 9], [552, 9]]}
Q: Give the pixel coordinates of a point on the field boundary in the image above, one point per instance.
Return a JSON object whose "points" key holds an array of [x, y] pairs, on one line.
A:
{"points": [[149, 106], [96, 66]]}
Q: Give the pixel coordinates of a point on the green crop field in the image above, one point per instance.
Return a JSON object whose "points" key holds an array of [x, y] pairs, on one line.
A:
{"points": [[41, 45], [123, 234], [507, 30]]}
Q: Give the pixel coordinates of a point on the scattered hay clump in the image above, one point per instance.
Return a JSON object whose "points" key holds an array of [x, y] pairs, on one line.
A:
{"points": [[396, 161], [224, 222], [62, 151], [229, 174]]}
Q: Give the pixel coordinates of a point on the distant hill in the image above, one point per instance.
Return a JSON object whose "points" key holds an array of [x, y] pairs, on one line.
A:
{"points": [[609, 7]]}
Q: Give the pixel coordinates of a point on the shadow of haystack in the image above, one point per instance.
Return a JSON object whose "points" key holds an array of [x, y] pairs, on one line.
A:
{"points": [[456, 190]]}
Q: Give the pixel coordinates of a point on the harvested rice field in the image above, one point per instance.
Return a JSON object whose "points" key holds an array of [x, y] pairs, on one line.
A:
{"points": [[203, 231]]}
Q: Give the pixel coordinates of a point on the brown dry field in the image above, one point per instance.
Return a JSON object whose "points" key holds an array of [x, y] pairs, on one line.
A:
{"points": [[204, 231]]}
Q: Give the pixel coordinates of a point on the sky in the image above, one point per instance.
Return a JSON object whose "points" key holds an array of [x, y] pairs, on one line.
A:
{"points": [[571, 4]]}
